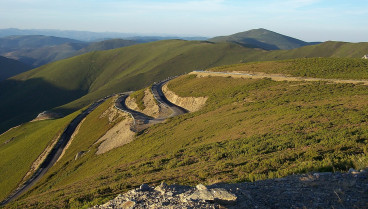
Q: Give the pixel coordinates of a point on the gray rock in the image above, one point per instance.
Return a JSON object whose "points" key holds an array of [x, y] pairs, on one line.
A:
{"points": [[217, 195], [201, 187], [222, 196], [162, 188]]}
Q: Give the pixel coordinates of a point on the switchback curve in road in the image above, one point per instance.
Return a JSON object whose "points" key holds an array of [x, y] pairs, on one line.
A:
{"points": [[141, 121]]}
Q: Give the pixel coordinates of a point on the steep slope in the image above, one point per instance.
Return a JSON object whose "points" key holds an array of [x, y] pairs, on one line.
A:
{"points": [[88, 77], [22, 146], [249, 129], [262, 38], [9, 68]]}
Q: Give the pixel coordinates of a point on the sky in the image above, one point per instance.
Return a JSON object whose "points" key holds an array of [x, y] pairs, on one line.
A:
{"points": [[308, 20]]}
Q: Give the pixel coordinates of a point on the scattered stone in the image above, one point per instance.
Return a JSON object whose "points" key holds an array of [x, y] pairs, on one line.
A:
{"points": [[314, 190], [162, 187], [128, 204]]}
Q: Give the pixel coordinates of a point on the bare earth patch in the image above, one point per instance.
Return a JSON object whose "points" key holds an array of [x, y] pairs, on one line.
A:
{"points": [[275, 77], [117, 136], [192, 104], [46, 115]]}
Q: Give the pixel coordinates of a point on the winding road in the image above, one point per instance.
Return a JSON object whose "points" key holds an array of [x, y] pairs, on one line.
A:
{"points": [[54, 154], [141, 121]]}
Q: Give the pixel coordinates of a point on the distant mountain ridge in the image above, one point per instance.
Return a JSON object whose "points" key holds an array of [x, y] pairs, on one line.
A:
{"points": [[264, 39], [37, 50], [92, 36]]}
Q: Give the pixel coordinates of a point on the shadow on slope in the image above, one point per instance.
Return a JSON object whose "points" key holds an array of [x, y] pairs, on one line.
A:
{"points": [[21, 101]]}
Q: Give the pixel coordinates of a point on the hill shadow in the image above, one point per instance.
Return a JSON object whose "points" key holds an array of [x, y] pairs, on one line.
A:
{"points": [[253, 43], [21, 101]]}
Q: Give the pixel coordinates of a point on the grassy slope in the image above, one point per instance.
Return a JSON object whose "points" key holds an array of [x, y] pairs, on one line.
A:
{"points": [[26, 143], [326, 49], [98, 74], [332, 68], [249, 130]]}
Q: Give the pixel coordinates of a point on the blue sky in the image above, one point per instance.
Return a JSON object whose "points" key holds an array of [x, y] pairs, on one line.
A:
{"points": [[310, 20]]}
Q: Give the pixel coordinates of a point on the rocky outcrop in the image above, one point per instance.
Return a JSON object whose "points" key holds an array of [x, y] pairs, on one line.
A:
{"points": [[314, 190], [191, 104], [173, 196]]}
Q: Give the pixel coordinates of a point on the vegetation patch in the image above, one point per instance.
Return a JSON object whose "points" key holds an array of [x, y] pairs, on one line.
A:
{"points": [[138, 97], [336, 68]]}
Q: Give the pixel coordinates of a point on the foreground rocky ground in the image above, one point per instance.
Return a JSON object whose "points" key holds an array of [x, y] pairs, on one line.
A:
{"points": [[315, 190]]}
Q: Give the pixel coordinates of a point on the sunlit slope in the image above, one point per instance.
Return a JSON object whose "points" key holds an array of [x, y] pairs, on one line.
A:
{"points": [[326, 49], [97, 74], [330, 68], [249, 129], [21, 146]]}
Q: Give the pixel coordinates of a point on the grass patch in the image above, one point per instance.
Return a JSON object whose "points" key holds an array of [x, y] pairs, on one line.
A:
{"points": [[138, 97], [20, 147]]}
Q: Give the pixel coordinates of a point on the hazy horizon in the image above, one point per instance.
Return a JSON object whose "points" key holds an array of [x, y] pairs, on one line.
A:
{"points": [[308, 20]]}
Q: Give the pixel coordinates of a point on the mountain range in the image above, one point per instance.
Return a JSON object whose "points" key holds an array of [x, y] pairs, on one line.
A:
{"points": [[37, 50]]}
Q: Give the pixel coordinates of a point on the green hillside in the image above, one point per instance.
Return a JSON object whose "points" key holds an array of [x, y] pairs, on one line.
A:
{"points": [[262, 38], [249, 129], [21, 146], [326, 49], [9, 68], [94, 75], [331, 68], [106, 45]]}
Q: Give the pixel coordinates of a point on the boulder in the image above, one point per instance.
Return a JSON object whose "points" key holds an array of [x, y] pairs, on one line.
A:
{"points": [[217, 195]]}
